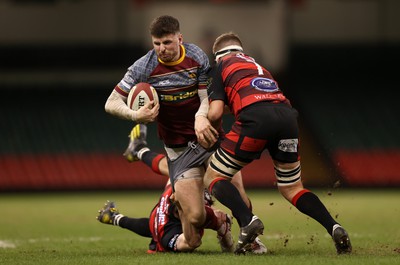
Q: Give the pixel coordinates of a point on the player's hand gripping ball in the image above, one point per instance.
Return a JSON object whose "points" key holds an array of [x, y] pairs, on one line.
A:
{"points": [[140, 95]]}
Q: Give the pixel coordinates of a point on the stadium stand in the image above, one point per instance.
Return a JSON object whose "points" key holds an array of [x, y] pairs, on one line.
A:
{"points": [[55, 134], [348, 97]]}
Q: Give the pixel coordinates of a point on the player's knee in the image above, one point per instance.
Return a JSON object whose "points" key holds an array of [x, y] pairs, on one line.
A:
{"points": [[194, 242], [179, 243], [224, 165], [289, 191], [287, 174], [196, 218]]}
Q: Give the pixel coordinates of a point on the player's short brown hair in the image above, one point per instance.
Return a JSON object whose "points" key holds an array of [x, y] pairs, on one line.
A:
{"points": [[226, 39], [164, 25]]}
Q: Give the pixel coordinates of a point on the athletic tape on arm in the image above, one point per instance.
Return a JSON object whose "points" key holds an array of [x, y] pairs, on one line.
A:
{"points": [[203, 109], [116, 105]]}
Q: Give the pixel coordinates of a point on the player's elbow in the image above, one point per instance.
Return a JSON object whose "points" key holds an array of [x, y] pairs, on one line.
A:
{"points": [[215, 111], [107, 107], [213, 116], [113, 101]]}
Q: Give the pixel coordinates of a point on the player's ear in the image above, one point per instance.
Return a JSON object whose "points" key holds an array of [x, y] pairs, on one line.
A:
{"points": [[180, 38]]}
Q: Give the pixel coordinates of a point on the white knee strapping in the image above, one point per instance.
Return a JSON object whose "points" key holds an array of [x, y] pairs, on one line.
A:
{"points": [[225, 164], [287, 176]]}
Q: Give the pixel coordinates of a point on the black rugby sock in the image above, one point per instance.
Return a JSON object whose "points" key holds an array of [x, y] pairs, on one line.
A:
{"points": [[152, 159], [148, 157], [227, 194], [139, 226], [309, 204]]}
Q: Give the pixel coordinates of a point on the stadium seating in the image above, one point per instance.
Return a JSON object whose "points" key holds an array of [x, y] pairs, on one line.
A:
{"points": [[56, 135]]}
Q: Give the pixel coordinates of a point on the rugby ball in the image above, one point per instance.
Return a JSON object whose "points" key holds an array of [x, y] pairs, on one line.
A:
{"points": [[140, 95]]}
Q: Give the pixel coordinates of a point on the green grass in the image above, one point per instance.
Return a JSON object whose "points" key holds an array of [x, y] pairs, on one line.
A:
{"points": [[49, 228]]}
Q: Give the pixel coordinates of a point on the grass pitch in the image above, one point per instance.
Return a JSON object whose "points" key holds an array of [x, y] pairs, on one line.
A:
{"points": [[51, 228]]}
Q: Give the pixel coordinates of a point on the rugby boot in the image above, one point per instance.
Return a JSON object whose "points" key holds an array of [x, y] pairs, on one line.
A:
{"points": [[108, 213], [248, 234], [341, 239], [257, 247], [224, 235], [137, 143]]}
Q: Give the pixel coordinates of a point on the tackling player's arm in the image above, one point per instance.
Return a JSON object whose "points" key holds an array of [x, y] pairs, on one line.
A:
{"points": [[203, 129], [205, 132], [216, 95], [215, 112]]}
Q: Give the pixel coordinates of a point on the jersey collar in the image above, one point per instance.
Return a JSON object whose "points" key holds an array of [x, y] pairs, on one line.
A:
{"points": [[183, 54]]}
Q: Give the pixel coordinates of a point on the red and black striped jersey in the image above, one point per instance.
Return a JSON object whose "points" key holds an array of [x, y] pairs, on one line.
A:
{"points": [[161, 215], [240, 81]]}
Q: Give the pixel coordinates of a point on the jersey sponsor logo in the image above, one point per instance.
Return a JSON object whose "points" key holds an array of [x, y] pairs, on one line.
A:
{"points": [[178, 97], [264, 84], [172, 242], [288, 145], [279, 97], [162, 210]]}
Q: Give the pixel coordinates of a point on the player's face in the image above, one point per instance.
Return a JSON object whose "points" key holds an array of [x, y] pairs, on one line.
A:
{"points": [[168, 47]]}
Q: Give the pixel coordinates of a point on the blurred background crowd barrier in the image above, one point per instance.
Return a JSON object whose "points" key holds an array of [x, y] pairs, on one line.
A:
{"points": [[60, 59]]}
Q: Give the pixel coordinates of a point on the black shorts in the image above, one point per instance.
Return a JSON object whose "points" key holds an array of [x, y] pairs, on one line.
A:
{"points": [[263, 126], [171, 232]]}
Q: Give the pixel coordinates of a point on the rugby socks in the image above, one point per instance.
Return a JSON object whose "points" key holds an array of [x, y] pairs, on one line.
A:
{"points": [[152, 159], [211, 219], [309, 204], [250, 204], [139, 226], [116, 218], [142, 151], [227, 194]]}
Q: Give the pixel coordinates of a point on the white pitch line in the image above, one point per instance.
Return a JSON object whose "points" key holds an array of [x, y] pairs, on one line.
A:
{"points": [[6, 244], [14, 243]]}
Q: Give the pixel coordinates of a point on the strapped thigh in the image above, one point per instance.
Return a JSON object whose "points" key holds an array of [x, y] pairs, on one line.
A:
{"points": [[226, 165], [287, 176]]}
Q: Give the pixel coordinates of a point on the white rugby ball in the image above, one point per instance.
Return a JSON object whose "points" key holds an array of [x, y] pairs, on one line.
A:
{"points": [[140, 95]]}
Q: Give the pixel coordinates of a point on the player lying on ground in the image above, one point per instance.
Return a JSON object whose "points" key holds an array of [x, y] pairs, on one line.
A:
{"points": [[164, 226], [138, 150]]}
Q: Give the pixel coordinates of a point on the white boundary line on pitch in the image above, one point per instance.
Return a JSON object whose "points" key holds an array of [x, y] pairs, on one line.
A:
{"points": [[6, 244], [15, 243]]}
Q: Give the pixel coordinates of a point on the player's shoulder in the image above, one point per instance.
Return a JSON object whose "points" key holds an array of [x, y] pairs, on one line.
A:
{"points": [[144, 65], [146, 59], [191, 46], [194, 51]]}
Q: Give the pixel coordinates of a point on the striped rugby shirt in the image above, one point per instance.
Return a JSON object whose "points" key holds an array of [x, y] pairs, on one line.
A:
{"points": [[240, 81], [177, 84]]}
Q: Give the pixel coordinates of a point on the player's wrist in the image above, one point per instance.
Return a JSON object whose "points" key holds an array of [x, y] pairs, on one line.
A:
{"points": [[134, 115], [201, 115]]}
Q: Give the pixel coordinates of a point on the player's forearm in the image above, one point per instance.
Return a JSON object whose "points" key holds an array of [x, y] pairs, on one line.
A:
{"points": [[215, 112], [203, 109], [115, 105]]}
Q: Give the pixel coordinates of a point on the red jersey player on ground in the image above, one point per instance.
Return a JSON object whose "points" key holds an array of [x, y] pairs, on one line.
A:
{"points": [[164, 227]]}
